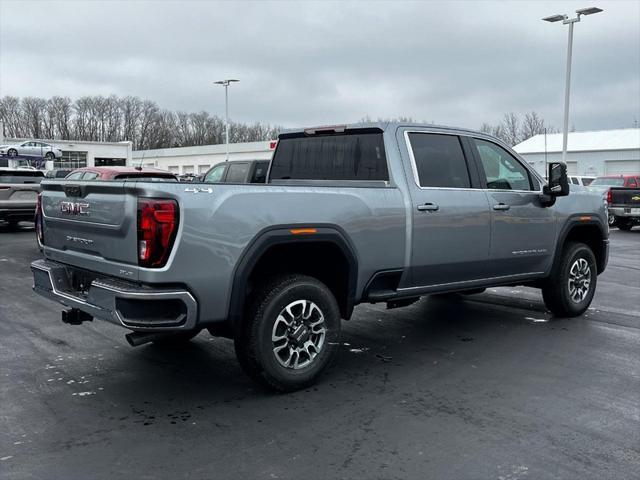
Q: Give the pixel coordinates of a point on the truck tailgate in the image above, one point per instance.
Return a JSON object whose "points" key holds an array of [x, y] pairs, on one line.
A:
{"points": [[629, 197], [91, 225]]}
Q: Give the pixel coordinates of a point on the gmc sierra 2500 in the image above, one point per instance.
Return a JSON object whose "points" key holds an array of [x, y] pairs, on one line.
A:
{"points": [[365, 213]]}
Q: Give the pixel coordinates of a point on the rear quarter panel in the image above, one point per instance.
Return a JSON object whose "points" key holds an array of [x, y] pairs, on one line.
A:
{"points": [[216, 228]]}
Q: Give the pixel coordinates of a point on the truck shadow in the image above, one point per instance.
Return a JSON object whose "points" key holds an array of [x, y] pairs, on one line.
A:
{"points": [[205, 372]]}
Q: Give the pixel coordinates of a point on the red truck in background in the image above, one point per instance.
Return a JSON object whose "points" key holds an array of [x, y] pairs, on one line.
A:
{"points": [[622, 193]]}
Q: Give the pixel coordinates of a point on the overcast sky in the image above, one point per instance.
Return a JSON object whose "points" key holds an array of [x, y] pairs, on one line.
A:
{"points": [[302, 63]]}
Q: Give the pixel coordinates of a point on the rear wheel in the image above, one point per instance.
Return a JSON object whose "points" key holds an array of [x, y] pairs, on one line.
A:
{"points": [[625, 224], [290, 334], [570, 288]]}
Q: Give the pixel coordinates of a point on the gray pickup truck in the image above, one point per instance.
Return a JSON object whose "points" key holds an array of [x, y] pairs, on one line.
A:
{"points": [[349, 214]]}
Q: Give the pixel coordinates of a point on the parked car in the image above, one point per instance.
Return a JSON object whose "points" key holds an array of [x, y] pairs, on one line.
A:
{"points": [[238, 171], [19, 189], [629, 181], [60, 173], [386, 213], [31, 148], [618, 192], [121, 173], [581, 180], [189, 177]]}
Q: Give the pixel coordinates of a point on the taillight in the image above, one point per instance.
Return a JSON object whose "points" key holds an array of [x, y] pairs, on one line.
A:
{"points": [[39, 219], [157, 226], [609, 197]]}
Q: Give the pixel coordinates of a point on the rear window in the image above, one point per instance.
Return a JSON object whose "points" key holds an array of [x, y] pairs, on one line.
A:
{"points": [[612, 182], [21, 176], [352, 156], [260, 172]]}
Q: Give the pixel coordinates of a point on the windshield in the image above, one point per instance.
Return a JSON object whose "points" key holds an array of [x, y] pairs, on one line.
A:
{"points": [[21, 176], [611, 182]]}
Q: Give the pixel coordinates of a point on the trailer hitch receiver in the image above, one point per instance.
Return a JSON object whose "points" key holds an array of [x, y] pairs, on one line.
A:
{"points": [[73, 316]]}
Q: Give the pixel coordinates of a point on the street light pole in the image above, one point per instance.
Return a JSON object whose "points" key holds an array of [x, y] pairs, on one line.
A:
{"points": [[226, 83], [567, 88]]}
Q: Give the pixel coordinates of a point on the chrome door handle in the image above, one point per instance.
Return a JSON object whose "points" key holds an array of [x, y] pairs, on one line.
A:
{"points": [[501, 206], [428, 207]]}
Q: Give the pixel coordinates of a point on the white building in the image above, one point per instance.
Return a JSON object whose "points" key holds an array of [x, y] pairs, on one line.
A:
{"points": [[76, 153], [199, 159], [591, 153]]}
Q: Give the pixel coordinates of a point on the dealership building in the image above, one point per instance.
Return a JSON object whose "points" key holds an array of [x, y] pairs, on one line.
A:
{"points": [[76, 153], [198, 159], [589, 153]]}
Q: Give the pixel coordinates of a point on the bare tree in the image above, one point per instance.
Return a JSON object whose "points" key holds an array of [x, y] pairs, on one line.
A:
{"points": [[11, 116], [532, 125], [34, 112], [511, 126], [113, 119]]}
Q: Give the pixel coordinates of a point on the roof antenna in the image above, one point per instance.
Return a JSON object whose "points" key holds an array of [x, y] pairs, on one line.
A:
{"points": [[139, 167]]}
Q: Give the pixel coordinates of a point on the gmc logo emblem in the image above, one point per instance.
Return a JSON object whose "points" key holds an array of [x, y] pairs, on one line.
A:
{"points": [[74, 208]]}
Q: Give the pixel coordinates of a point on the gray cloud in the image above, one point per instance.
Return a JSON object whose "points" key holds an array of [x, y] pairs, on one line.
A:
{"points": [[303, 63]]}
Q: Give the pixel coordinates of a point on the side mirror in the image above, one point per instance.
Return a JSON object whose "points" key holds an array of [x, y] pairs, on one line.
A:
{"points": [[558, 183]]}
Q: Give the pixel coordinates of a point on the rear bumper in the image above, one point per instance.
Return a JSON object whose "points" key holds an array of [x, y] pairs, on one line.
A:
{"points": [[137, 307], [20, 214], [624, 211]]}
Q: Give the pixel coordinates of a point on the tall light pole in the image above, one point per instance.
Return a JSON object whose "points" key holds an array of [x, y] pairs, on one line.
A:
{"points": [[226, 83], [569, 21]]}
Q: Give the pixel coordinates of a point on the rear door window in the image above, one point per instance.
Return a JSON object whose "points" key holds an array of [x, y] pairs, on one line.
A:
{"points": [[349, 156], [237, 173], [74, 176], [439, 160]]}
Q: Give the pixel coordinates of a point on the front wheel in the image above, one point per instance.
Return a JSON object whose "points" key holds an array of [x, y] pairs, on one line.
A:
{"points": [[570, 288], [49, 156], [12, 152], [290, 334]]}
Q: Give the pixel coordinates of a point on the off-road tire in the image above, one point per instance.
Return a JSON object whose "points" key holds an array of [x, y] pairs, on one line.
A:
{"points": [[556, 293], [253, 343]]}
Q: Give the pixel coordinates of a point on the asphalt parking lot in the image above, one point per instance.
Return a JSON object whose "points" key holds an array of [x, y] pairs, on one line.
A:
{"points": [[480, 387]]}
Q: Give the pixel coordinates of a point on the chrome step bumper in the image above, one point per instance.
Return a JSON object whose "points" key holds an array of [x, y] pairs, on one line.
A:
{"points": [[134, 306]]}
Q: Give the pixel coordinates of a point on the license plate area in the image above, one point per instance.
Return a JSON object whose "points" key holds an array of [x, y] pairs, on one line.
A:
{"points": [[24, 195]]}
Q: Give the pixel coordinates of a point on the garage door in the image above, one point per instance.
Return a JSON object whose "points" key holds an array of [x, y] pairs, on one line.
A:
{"points": [[622, 166], [572, 168]]}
